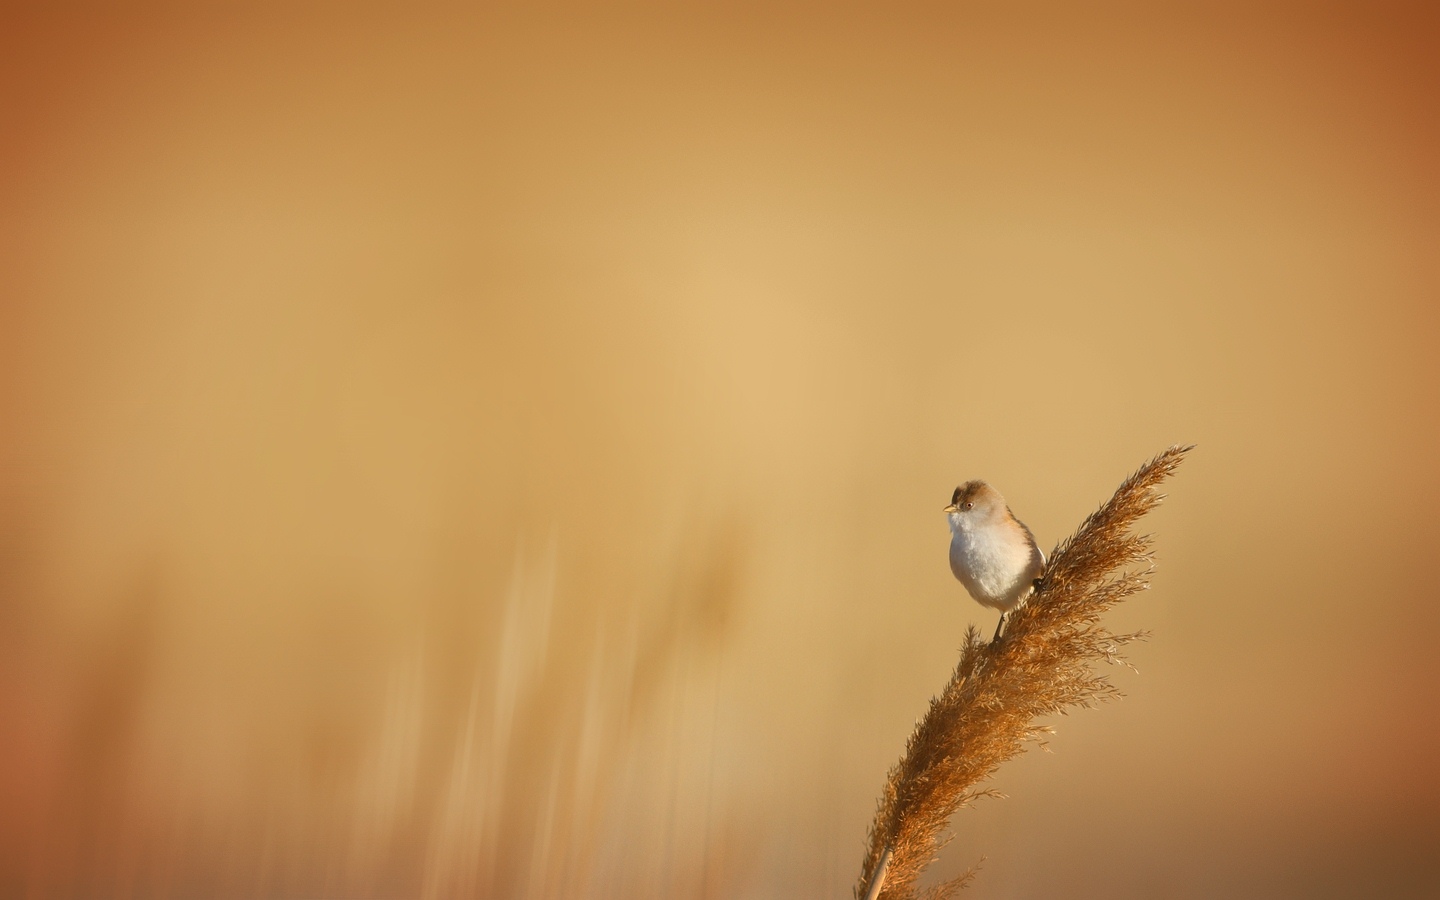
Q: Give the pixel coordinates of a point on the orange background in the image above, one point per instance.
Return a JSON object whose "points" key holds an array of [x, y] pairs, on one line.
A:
{"points": [[501, 454]]}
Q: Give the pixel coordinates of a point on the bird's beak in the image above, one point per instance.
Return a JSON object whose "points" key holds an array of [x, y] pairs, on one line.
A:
{"points": [[950, 508]]}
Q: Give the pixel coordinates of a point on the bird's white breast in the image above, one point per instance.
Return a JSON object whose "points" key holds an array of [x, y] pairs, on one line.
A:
{"points": [[995, 567]]}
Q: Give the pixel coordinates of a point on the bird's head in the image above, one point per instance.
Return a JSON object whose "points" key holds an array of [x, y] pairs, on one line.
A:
{"points": [[974, 503]]}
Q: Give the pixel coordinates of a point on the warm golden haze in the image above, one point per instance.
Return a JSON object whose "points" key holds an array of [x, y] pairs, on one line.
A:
{"points": [[499, 452]]}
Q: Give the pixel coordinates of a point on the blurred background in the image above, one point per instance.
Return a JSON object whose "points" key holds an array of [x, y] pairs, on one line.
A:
{"points": [[500, 454]]}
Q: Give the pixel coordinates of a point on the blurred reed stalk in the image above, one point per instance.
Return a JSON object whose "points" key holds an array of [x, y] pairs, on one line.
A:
{"points": [[1040, 666]]}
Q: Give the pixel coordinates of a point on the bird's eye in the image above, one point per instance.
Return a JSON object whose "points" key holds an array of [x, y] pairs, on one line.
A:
{"points": [[966, 505]]}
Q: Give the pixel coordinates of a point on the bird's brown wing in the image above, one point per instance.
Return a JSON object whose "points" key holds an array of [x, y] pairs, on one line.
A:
{"points": [[1031, 535]]}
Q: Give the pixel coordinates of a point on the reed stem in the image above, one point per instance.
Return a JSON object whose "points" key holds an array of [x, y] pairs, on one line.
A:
{"points": [[987, 711]]}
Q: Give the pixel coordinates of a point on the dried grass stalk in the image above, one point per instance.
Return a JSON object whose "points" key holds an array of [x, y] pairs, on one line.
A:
{"points": [[1040, 666]]}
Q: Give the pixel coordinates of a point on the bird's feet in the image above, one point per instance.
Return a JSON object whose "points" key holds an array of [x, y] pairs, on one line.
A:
{"points": [[999, 626]]}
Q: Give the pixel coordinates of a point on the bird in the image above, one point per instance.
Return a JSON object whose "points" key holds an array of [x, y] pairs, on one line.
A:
{"points": [[992, 553]]}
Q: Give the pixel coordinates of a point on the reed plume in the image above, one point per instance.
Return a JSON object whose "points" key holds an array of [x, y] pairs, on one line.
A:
{"points": [[1040, 666]]}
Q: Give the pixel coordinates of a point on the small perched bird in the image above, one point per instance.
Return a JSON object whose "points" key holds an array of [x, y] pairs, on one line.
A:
{"points": [[992, 553]]}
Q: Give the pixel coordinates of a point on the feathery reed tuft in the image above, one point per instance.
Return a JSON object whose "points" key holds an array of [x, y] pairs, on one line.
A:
{"points": [[1040, 666]]}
